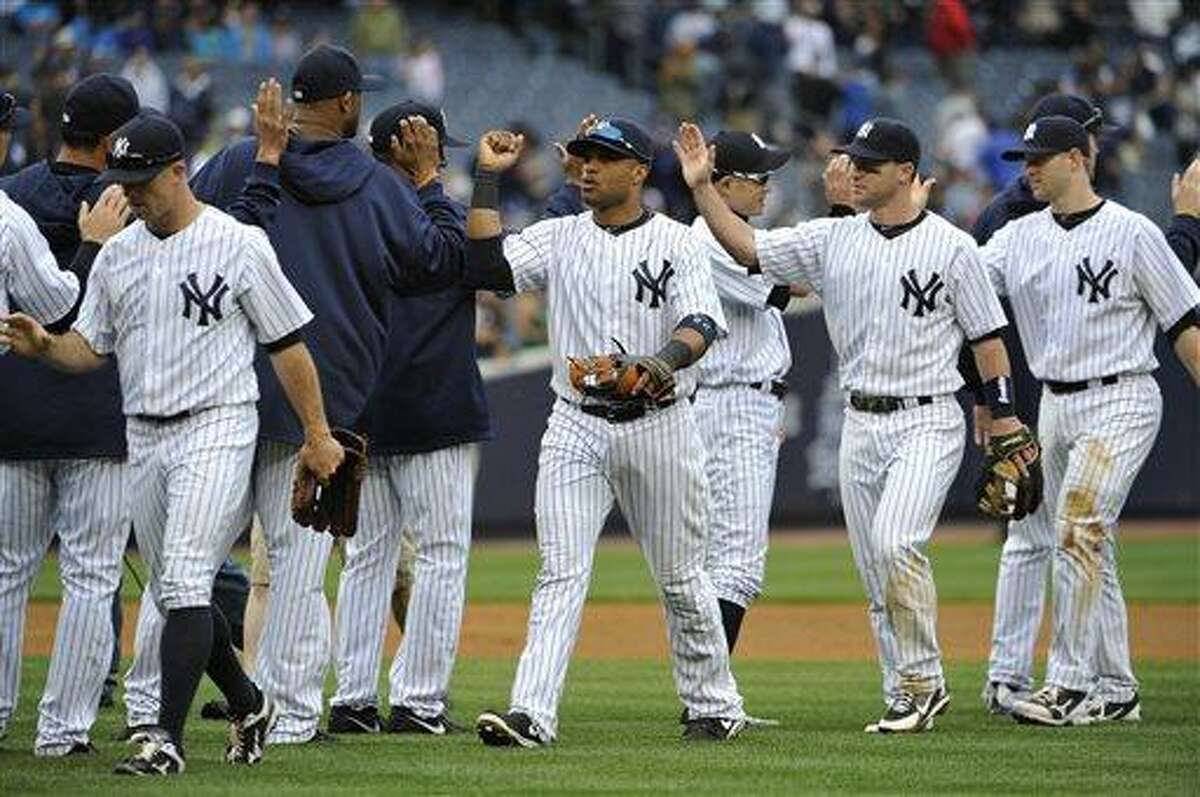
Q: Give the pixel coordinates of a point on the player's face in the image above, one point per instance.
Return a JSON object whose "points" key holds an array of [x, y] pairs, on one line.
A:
{"points": [[877, 182], [153, 200], [1049, 176], [745, 194], [608, 179]]}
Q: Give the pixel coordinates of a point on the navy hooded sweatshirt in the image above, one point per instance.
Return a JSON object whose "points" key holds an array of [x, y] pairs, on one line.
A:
{"points": [[348, 232]]}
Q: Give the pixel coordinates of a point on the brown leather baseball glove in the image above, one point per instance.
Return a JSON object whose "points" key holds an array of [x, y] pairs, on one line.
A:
{"points": [[622, 377], [1010, 486], [332, 507]]}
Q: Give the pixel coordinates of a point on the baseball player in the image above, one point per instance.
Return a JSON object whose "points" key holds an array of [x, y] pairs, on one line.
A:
{"points": [[1029, 544], [616, 275], [348, 231], [424, 419], [902, 289], [62, 438], [188, 393], [1087, 279]]}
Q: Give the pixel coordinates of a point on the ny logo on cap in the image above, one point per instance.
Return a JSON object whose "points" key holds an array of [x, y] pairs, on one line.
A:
{"points": [[297, 94], [66, 118], [1031, 131], [866, 129], [120, 147]]}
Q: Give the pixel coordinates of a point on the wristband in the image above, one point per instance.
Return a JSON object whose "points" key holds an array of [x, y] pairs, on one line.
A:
{"points": [[998, 393], [486, 195]]}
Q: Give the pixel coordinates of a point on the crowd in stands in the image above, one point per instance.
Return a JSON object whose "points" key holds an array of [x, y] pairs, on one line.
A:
{"points": [[805, 73]]}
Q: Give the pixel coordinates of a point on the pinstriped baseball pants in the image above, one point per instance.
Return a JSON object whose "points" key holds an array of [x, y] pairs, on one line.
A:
{"points": [[895, 471], [431, 494], [653, 469], [82, 501]]}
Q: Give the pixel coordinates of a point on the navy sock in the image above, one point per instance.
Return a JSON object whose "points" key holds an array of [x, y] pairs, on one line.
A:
{"points": [[226, 671], [187, 639], [731, 619]]}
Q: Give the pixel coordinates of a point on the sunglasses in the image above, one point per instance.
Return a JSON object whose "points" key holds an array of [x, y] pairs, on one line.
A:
{"points": [[755, 177]]}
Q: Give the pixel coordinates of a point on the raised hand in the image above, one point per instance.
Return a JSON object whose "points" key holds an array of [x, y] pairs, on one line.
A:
{"points": [[1185, 190], [109, 216], [920, 189], [696, 157], [839, 181], [271, 121], [417, 150], [499, 149], [571, 165]]}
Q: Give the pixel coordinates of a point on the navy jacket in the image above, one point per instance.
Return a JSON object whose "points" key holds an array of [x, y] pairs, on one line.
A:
{"points": [[348, 231], [49, 414]]}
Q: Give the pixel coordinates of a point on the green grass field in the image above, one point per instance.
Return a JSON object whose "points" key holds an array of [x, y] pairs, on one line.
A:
{"points": [[618, 732]]}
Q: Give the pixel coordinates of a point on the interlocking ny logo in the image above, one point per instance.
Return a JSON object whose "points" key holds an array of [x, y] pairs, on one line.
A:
{"points": [[656, 287], [924, 296], [120, 147], [208, 303], [1096, 282]]}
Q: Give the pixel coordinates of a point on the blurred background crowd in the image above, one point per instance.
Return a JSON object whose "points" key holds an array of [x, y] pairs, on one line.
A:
{"points": [[804, 73]]}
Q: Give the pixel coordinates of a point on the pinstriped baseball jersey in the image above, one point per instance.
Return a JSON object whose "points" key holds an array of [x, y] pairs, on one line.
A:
{"points": [[897, 309], [634, 287], [1085, 299], [28, 271], [183, 313], [756, 349]]}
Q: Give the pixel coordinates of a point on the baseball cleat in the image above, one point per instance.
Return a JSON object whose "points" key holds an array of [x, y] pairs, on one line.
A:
{"points": [[910, 713], [132, 733], [248, 736], [712, 729], [353, 719], [512, 729], [157, 756], [64, 750], [1096, 709], [998, 697], [1051, 705], [405, 720]]}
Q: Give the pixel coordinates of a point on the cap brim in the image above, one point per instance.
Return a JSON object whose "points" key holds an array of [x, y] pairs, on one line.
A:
{"points": [[1022, 153], [372, 83], [132, 176], [857, 149], [775, 159], [582, 146]]}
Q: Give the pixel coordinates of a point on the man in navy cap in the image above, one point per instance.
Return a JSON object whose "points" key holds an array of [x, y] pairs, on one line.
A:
{"points": [[348, 231], [1029, 543], [424, 419]]}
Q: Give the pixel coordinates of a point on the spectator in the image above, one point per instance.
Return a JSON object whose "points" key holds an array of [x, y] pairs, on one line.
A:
{"points": [[192, 102], [678, 82], [423, 73], [961, 132], [951, 39], [250, 38], [378, 33], [812, 62], [286, 44], [148, 80]]}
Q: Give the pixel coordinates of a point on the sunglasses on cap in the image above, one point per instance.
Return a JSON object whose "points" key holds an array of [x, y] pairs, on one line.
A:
{"points": [[755, 177]]}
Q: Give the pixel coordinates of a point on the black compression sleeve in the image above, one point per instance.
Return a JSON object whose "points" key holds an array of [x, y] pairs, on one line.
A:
{"points": [[486, 267], [676, 354], [282, 343], [1189, 319], [779, 297]]}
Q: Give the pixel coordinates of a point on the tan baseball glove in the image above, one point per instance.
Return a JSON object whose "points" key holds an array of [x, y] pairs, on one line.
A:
{"points": [[621, 377]]}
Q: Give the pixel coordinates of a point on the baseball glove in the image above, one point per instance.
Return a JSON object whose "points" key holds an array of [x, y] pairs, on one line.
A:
{"points": [[1010, 486], [621, 377], [332, 507]]}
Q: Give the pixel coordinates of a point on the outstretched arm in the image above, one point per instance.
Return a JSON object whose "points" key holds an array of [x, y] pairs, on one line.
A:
{"points": [[696, 159], [66, 352]]}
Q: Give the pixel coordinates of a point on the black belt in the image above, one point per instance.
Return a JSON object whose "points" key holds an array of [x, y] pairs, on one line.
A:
{"points": [[179, 416], [624, 411], [776, 387], [866, 403], [1058, 388]]}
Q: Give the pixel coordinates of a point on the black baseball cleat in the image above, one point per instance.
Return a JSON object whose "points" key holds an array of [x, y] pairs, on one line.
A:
{"points": [[248, 736], [405, 720], [912, 713], [82, 748], [511, 729], [1051, 705], [1097, 709], [712, 729], [157, 756], [353, 719], [216, 710]]}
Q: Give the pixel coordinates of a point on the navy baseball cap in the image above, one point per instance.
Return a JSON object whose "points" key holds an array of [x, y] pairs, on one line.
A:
{"points": [[327, 71], [620, 136], [1050, 135], [99, 104], [746, 154], [387, 123], [884, 139], [11, 115], [1072, 107], [141, 148]]}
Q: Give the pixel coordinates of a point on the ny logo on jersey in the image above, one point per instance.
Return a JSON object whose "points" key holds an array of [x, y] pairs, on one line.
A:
{"points": [[654, 287], [1096, 282], [924, 296], [207, 303]]}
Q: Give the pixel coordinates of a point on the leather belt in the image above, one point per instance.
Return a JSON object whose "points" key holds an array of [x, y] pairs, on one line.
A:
{"points": [[179, 416], [776, 387], [867, 403], [1059, 388], [622, 412]]}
